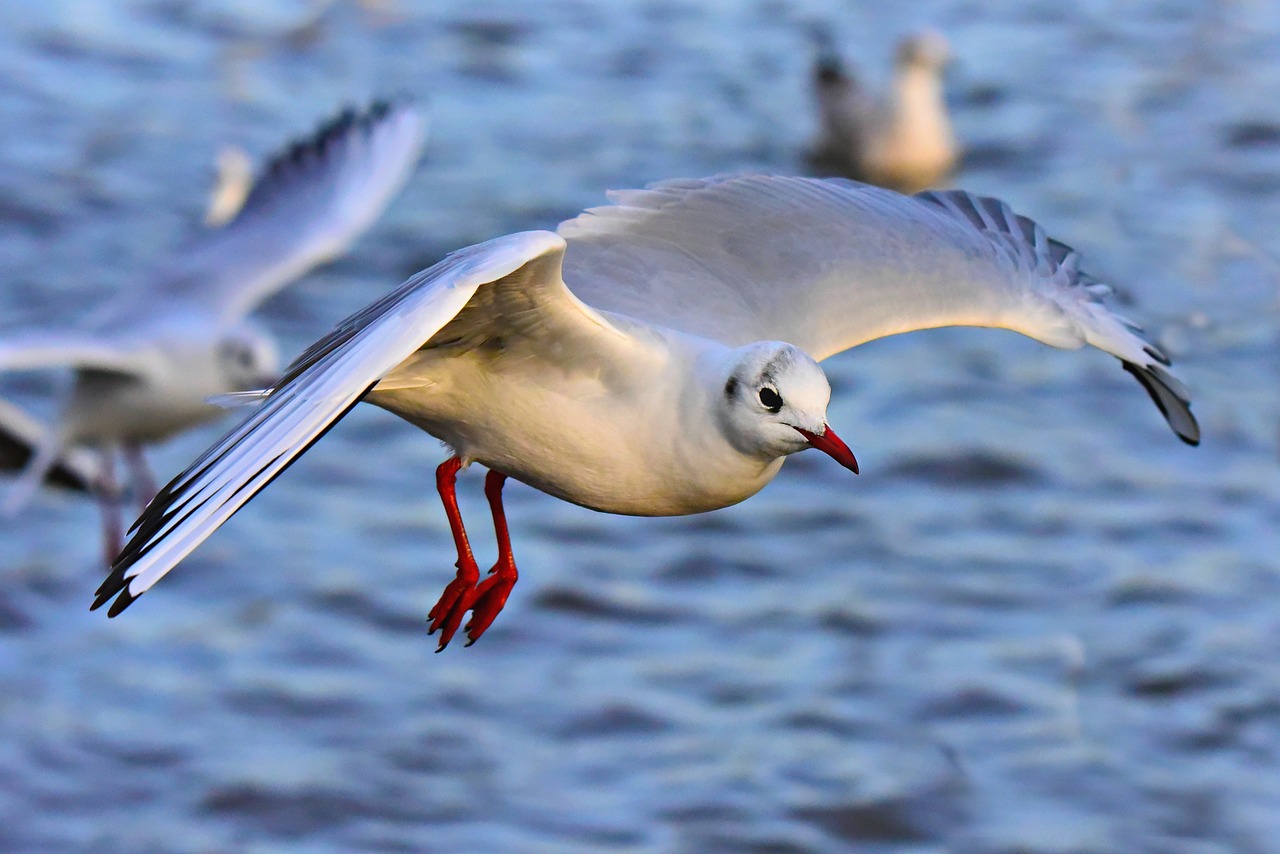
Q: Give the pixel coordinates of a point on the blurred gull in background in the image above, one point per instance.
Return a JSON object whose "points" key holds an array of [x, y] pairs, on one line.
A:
{"points": [[145, 362], [904, 141], [656, 357]]}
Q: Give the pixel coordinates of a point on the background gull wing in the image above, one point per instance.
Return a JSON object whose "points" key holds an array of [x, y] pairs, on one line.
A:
{"points": [[20, 437], [34, 348], [308, 205], [316, 391], [830, 264]]}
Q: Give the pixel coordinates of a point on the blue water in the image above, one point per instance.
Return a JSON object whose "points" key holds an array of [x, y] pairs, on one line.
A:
{"points": [[1036, 622]]}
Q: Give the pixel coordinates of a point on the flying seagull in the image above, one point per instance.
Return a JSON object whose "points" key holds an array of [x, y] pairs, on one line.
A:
{"points": [[145, 362], [655, 357]]}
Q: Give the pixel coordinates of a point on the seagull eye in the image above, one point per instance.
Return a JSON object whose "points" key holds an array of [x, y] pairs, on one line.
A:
{"points": [[241, 357], [770, 399]]}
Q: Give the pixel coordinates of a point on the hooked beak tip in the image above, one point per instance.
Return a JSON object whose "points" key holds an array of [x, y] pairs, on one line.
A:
{"points": [[831, 445]]}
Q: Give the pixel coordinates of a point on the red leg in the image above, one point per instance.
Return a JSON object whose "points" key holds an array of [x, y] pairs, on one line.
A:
{"points": [[458, 596], [110, 501], [140, 479], [492, 593]]}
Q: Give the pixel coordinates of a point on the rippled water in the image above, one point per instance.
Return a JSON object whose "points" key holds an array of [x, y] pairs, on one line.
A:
{"points": [[1036, 623]]}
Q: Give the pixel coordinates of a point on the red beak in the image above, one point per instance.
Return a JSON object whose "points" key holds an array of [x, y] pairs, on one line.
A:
{"points": [[832, 445]]}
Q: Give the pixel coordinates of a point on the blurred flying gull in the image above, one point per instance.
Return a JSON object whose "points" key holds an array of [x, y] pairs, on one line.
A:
{"points": [[654, 357], [903, 141], [145, 362]]}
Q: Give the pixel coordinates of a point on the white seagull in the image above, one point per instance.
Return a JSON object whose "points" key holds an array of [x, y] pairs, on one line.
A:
{"points": [[655, 357], [905, 141], [144, 364]]}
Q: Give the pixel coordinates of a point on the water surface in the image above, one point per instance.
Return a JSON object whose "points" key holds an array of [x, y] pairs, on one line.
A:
{"points": [[1036, 623]]}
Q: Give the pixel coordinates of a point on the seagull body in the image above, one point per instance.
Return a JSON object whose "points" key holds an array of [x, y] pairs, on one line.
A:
{"points": [[110, 404], [657, 356], [846, 112], [668, 384], [904, 142], [144, 364]]}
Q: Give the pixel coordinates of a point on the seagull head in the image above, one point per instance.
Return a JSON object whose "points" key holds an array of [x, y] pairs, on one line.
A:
{"points": [[248, 359], [775, 403], [926, 50]]}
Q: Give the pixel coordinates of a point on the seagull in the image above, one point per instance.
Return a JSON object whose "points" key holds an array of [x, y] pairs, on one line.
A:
{"points": [[904, 142], [145, 362], [653, 357]]}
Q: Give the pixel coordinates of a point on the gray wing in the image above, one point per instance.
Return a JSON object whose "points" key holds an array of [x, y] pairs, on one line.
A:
{"points": [[309, 204], [830, 264], [317, 390]]}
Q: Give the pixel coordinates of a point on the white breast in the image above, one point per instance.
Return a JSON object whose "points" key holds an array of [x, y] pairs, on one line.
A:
{"points": [[637, 442]]}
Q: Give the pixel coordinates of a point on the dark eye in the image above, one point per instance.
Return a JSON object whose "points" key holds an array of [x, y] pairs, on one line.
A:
{"points": [[771, 399]]}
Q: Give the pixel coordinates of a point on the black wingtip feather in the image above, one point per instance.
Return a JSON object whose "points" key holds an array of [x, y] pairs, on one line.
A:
{"points": [[109, 587], [298, 156], [163, 508], [1160, 357], [1174, 408], [1169, 395], [124, 600], [115, 587]]}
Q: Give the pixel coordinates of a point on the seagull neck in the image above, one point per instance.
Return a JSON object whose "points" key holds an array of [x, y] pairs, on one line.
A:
{"points": [[712, 367], [917, 100]]}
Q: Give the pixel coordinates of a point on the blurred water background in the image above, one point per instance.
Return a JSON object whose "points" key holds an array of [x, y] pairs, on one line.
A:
{"points": [[1036, 623]]}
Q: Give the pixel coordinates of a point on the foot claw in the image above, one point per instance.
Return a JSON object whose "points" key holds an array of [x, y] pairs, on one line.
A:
{"points": [[484, 600], [489, 600], [450, 625], [453, 604]]}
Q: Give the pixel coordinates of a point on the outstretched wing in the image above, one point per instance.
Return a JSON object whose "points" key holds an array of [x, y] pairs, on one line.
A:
{"points": [[309, 204], [20, 438], [830, 264], [316, 391], [32, 349]]}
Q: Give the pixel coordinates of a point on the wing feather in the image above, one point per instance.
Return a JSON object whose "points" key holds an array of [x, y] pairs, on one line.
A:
{"points": [[316, 391], [309, 204], [21, 435], [37, 348], [827, 264]]}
